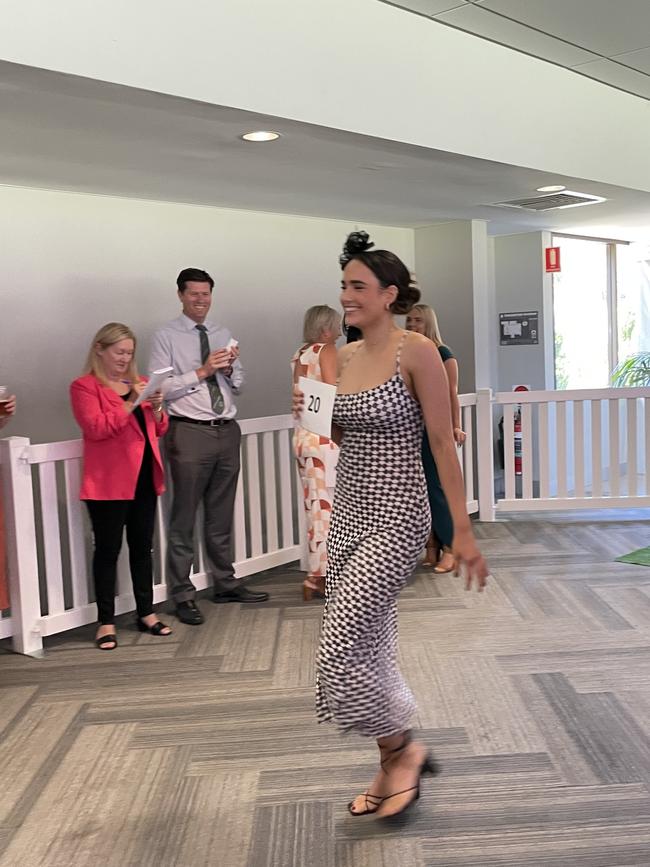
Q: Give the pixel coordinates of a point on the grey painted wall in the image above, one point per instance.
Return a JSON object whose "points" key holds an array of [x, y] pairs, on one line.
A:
{"points": [[443, 257], [74, 262], [522, 285]]}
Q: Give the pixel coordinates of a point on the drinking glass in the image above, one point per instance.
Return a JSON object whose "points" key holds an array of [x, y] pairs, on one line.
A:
{"points": [[4, 398]]}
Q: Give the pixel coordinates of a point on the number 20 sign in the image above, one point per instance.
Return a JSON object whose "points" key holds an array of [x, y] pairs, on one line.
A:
{"points": [[319, 405]]}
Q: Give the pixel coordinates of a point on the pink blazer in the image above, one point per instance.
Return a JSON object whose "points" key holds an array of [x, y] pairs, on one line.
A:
{"points": [[113, 442]]}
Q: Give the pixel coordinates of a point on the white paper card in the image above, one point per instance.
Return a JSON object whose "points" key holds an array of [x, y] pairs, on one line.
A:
{"points": [[155, 381], [317, 412]]}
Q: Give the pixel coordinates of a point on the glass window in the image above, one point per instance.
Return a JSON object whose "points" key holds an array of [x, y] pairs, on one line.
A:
{"points": [[633, 299], [581, 314]]}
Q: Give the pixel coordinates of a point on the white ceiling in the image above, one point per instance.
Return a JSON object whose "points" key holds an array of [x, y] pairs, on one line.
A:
{"points": [[68, 133], [608, 40]]}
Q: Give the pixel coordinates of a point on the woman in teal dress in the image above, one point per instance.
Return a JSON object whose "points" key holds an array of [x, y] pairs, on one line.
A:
{"points": [[423, 320]]}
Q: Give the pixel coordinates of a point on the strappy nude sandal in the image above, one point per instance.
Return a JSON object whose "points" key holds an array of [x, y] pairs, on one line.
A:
{"points": [[427, 766], [374, 802]]}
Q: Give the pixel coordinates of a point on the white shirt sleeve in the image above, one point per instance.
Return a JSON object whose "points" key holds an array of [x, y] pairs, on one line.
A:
{"points": [[162, 355]]}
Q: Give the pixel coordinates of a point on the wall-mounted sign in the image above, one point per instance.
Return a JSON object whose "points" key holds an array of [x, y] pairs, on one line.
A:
{"points": [[519, 329], [552, 259]]}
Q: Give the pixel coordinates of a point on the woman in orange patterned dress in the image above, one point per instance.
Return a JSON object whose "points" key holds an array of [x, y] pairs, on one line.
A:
{"points": [[317, 455]]}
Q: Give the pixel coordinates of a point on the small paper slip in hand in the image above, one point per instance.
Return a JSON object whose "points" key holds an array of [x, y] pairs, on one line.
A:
{"points": [[155, 381], [317, 412]]}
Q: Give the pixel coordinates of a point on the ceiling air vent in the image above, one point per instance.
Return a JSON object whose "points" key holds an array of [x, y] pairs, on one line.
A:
{"points": [[566, 199]]}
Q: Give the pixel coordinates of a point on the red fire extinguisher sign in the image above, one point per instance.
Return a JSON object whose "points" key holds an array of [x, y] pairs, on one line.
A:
{"points": [[552, 259]]}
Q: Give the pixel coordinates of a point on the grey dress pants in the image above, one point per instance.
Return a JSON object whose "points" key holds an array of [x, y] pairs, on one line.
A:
{"points": [[204, 464]]}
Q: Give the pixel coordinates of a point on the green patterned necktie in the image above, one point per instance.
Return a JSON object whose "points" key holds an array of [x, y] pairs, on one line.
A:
{"points": [[216, 397]]}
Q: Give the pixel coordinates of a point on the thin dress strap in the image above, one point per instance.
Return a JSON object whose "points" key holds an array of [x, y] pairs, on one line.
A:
{"points": [[398, 359], [348, 359]]}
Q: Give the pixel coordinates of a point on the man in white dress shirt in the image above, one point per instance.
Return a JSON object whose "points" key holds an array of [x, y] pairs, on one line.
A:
{"points": [[202, 444]]}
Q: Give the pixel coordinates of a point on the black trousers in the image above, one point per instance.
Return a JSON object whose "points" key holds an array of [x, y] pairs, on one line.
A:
{"points": [[109, 518]]}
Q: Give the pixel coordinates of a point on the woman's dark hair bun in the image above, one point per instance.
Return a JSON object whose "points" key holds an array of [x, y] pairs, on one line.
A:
{"points": [[387, 268], [407, 298], [356, 242]]}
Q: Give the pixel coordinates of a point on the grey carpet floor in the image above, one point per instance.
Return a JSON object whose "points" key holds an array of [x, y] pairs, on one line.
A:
{"points": [[202, 749]]}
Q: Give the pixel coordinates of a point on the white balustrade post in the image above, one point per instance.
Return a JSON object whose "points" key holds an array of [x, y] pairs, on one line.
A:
{"points": [[485, 454], [302, 523], [22, 558]]}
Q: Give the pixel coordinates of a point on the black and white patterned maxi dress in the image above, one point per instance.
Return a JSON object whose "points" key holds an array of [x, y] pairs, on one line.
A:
{"points": [[380, 523]]}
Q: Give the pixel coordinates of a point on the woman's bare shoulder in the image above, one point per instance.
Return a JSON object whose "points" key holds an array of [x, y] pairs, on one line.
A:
{"points": [[417, 349]]}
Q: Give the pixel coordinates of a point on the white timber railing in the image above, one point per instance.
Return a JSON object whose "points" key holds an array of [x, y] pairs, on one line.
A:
{"points": [[49, 544], [466, 454], [580, 449]]}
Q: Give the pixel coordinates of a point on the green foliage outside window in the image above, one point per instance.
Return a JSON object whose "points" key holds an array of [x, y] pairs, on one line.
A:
{"points": [[634, 372], [561, 374]]}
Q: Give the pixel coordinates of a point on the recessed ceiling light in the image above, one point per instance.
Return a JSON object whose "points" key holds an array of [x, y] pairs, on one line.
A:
{"points": [[261, 135], [552, 188]]}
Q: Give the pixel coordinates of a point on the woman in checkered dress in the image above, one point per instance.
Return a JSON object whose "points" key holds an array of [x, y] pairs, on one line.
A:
{"points": [[387, 382]]}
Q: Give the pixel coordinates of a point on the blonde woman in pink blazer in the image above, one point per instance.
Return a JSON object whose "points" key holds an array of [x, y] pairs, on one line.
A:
{"points": [[123, 473]]}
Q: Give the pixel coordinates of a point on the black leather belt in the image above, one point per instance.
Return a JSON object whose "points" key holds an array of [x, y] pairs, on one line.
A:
{"points": [[211, 422]]}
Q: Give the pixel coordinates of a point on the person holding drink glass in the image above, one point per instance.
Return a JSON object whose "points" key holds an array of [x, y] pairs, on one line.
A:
{"points": [[7, 405], [122, 472]]}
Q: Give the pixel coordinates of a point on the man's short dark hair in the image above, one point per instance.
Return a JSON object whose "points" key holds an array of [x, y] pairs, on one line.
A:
{"points": [[193, 275]]}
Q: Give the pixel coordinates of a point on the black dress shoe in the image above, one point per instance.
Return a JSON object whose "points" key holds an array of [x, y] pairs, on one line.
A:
{"points": [[240, 594], [188, 612]]}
